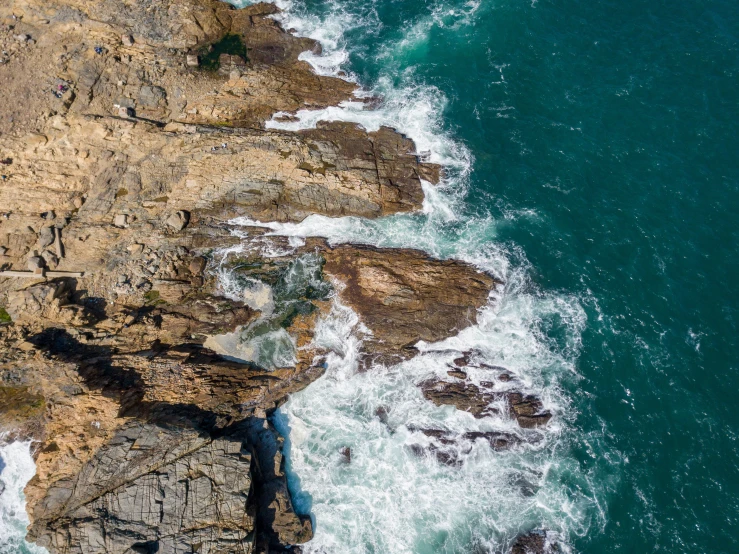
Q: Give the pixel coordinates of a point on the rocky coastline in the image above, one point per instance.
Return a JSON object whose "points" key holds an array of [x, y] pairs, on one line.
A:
{"points": [[125, 160]]}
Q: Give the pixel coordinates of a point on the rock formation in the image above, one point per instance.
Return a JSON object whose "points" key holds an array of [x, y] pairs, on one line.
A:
{"points": [[124, 158], [401, 297]]}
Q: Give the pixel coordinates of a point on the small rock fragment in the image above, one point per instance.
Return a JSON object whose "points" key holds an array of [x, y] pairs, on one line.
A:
{"points": [[46, 236], [197, 265], [127, 40], [463, 360], [135, 248], [192, 60], [178, 220], [151, 96], [35, 262], [458, 373], [121, 220], [51, 259], [531, 543], [3, 251]]}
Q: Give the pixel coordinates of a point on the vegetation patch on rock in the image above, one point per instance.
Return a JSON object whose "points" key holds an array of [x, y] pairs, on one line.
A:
{"points": [[4, 317]]}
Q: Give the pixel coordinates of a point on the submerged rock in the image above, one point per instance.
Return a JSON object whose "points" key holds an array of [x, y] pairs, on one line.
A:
{"points": [[527, 409], [535, 542], [451, 448]]}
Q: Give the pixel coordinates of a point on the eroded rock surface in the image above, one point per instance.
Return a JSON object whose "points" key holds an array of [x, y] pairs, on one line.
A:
{"points": [[153, 489], [527, 409], [404, 296], [535, 542], [451, 449]]}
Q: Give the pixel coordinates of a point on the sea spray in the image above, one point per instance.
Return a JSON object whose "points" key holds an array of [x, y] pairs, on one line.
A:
{"points": [[387, 499], [16, 469]]}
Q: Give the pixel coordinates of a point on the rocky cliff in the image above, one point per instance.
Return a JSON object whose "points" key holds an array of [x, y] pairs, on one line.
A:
{"points": [[132, 132]]}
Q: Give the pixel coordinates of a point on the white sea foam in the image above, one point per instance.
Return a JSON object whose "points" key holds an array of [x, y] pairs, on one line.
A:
{"points": [[16, 469], [388, 499]]}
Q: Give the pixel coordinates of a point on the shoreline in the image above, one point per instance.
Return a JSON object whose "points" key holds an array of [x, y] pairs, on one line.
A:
{"points": [[130, 399]]}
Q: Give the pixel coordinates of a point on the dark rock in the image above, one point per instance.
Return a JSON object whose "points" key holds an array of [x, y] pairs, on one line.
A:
{"points": [[464, 396], [534, 542], [458, 373], [452, 447], [496, 440], [382, 414], [528, 410], [463, 360], [279, 525], [346, 454]]}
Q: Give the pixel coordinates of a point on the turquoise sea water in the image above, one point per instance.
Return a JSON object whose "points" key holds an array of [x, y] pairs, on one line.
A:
{"points": [[604, 162]]}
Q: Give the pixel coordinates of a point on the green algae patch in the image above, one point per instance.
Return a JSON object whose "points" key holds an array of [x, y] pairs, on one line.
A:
{"points": [[153, 298], [5, 317], [19, 404]]}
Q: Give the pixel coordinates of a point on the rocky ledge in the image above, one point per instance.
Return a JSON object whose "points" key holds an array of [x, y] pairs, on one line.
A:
{"points": [[131, 134]]}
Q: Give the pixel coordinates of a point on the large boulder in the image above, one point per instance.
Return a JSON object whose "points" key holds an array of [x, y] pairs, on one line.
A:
{"points": [[404, 296]]}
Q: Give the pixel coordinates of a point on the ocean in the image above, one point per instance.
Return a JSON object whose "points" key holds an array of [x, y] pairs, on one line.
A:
{"points": [[591, 162]]}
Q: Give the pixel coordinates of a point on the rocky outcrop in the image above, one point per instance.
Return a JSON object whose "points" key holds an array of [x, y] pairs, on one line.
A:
{"points": [[404, 296], [451, 449], [153, 489], [275, 511], [535, 542], [527, 409]]}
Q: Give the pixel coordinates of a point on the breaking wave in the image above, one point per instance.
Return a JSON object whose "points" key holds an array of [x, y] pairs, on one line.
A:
{"points": [[388, 499], [16, 469]]}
